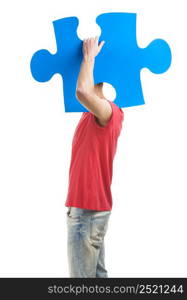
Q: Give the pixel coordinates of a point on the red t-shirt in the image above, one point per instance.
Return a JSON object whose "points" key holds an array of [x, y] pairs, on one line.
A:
{"points": [[93, 151]]}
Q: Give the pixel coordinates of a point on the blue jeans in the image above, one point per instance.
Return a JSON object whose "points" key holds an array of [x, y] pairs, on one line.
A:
{"points": [[85, 247]]}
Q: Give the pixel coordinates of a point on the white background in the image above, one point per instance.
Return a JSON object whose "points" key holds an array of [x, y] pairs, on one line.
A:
{"points": [[146, 236]]}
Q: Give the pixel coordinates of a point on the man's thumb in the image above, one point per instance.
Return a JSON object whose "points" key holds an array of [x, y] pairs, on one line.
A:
{"points": [[101, 44]]}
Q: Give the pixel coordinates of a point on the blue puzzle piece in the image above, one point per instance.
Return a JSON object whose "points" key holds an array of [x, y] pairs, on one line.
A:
{"points": [[119, 62]]}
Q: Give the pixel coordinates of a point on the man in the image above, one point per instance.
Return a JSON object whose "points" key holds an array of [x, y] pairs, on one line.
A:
{"points": [[89, 198]]}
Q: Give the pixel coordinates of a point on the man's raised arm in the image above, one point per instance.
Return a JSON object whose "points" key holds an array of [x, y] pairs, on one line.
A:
{"points": [[85, 91]]}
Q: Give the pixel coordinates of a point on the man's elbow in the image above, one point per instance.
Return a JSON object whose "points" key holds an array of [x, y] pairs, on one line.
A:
{"points": [[82, 94]]}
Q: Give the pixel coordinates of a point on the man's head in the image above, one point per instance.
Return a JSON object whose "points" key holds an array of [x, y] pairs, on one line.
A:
{"points": [[99, 89]]}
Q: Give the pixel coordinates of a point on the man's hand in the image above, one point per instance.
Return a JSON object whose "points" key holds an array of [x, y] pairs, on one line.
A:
{"points": [[91, 48]]}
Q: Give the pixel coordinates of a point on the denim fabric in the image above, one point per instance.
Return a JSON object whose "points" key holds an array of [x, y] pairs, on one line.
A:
{"points": [[85, 244]]}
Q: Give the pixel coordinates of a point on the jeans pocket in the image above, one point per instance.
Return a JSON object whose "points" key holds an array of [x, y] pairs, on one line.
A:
{"points": [[73, 214], [68, 211]]}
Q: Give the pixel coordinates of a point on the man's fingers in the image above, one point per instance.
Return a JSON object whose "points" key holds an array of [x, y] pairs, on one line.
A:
{"points": [[91, 46]]}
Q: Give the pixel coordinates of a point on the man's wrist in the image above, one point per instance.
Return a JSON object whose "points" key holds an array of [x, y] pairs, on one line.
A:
{"points": [[90, 60]]}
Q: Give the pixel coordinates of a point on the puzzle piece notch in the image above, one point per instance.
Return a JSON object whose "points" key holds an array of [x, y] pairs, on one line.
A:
{"points": [[44, 64], [119, 66], [161, 61]]}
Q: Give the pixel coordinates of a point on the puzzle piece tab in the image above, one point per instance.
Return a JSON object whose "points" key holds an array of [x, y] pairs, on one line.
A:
{"points": [[119, 62]]}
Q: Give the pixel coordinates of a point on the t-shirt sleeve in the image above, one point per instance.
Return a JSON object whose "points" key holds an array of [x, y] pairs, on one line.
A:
{"points": [[118, 117], [115, 120]]}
